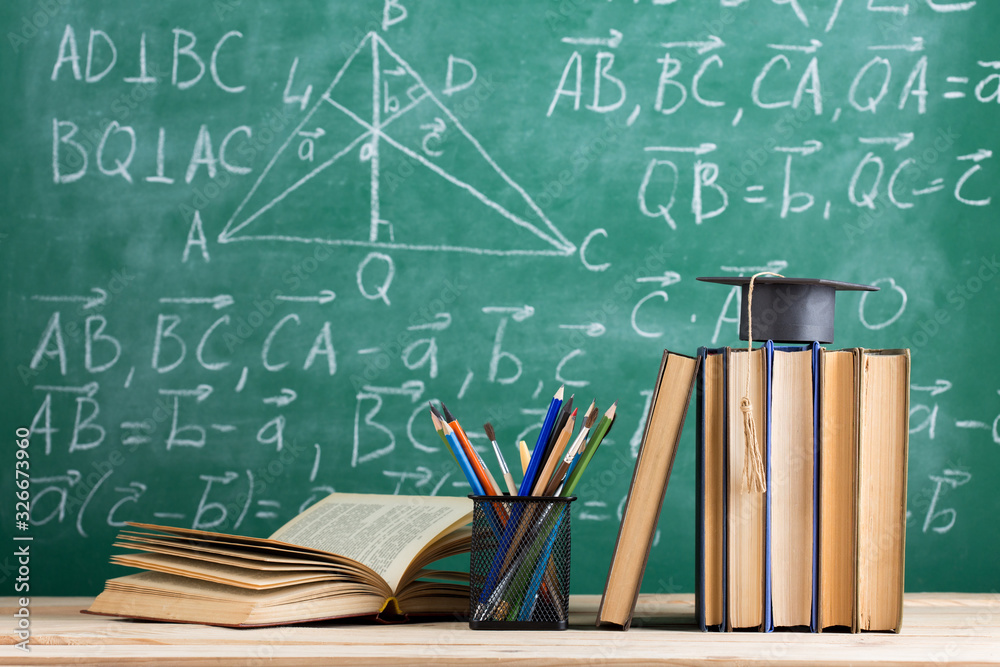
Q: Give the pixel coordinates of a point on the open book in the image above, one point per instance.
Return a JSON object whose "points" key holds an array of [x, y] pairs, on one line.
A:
{"points": [[347, 555]]}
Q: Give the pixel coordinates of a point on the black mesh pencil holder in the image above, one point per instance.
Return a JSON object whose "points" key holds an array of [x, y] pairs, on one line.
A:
{"points": [[520, 562]]}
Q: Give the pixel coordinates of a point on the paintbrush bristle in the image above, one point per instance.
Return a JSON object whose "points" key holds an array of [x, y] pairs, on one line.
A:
{"points": [[591, 417], [490, 433]]}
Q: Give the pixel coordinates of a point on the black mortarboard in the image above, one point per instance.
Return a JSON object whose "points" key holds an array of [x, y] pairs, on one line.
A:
{"points": [[790, 310]]}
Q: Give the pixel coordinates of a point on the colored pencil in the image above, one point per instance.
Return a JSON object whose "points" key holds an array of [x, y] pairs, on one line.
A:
{"points": [[595, 440], [522, 448], [555, 455], [557, 429], [463, 462], [491, 434], [537, 456], [590, 417], [437, 420], [482, 472]]}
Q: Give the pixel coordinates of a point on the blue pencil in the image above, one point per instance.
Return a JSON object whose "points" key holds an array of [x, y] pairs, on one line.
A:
{"points": [[531, 596], [539, 452], [463, 462]]}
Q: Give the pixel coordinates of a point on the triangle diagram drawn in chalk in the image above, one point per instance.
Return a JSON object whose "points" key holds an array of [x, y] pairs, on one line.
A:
{"points": [[379, 162]]}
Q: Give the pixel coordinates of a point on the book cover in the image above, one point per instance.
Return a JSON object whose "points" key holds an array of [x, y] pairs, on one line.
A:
{"points": [[710, 456], [672, 393], [792, 465], [837, 489], [747, 578], [882, 466]]}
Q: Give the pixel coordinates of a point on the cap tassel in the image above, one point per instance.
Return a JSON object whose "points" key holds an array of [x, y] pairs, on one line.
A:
{"points": [[754, 474], [753, 459]]}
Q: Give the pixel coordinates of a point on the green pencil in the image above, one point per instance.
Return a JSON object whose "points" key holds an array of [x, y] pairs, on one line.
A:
{"points": [[588, 453]]}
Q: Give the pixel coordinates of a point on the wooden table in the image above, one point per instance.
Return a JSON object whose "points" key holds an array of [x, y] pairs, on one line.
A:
{"points": [[937, 627]]}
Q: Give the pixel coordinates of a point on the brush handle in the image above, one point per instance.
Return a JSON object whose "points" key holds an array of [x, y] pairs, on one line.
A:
{"points": [[511, 486]]}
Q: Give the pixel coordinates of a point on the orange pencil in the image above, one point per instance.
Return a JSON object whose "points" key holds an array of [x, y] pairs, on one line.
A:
{"points": [[482, 472]]}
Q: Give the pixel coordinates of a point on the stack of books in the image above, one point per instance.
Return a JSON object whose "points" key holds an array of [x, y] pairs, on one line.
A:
{"points": [[822, 546]]}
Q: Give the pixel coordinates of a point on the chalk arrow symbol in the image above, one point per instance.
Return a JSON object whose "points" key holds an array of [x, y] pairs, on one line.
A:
{"points": [[939, 387], [666, 280], [902, 140], [700, 149], [99, 299], [88, 389], [519, 314], [286, 397], [426, 475], [611, 42], [437, 126], [217, 302], [325, 296], [814, 45], [201, 392], [442, 322], [315, 134], [594, 329], [71, 476], [916, 45], [978, 156], [807, 148], [702, 48], [412, 388]]}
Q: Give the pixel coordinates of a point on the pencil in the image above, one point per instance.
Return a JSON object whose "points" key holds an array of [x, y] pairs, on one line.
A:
{"points": [[491, 434], [595, 440], [560, 474], [554, 456], [437, 420], [543, 437], [559, 425], [522, 448], [482, 472], [463, 463]]}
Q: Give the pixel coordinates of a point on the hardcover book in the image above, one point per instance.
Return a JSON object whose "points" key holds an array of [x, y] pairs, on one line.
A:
{"points": [[347, 555]]}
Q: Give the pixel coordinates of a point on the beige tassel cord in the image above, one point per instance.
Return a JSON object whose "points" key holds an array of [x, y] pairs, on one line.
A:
{"points": [[754, 477]]}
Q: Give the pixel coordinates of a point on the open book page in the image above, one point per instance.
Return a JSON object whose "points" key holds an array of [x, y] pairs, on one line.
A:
{"points": [[242, 577], [383, 532]]}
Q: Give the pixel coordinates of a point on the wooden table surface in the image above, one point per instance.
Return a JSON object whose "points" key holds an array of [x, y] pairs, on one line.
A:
{"points": [[937, 628]]}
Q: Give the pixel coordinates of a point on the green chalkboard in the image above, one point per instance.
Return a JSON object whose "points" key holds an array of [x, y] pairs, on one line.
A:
{"points": [[244, 243]]}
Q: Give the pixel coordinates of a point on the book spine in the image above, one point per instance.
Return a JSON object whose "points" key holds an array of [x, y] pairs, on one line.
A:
{"points": [[768, 625], [699, 495], [726, 626], [814, 617]]}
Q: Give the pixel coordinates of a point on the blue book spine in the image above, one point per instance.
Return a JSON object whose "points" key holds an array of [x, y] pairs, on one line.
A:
{"points": [[814, 620], [768, 617]]}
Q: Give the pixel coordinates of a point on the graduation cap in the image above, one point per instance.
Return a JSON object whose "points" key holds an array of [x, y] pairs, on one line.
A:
{"points": [[791, 310]]}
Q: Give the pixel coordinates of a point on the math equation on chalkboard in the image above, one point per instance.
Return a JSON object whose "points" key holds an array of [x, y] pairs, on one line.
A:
{"points": [[245, 244]]}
